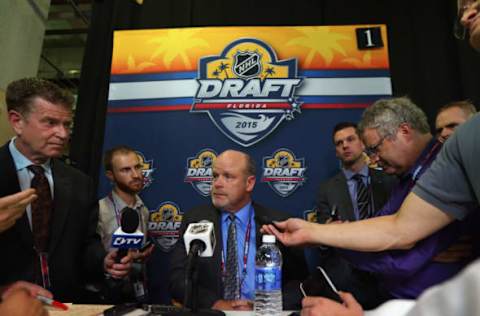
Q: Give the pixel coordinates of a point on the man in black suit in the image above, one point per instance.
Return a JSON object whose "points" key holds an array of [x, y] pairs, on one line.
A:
{"points": [[54, 243], [233, 183], [19, 298], [338, 200]]}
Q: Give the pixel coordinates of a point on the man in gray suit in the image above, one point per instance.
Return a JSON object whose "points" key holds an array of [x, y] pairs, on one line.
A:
{"points": [[339, 193], [344, 198]]}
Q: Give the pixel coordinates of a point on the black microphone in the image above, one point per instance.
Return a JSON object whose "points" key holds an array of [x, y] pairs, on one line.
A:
{"points": [[197, 246], [199, 239], [129, 220], [264, 220], [126, 236]]}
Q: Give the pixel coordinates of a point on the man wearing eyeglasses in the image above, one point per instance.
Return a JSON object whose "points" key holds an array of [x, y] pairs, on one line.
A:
{"points": [[354, 193], [452, 183], [397, 137]]}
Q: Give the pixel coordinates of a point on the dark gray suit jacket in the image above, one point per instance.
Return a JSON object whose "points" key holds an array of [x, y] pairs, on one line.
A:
{"points": [[335, 192], [75, 251], [346, 277], [210, 287]]}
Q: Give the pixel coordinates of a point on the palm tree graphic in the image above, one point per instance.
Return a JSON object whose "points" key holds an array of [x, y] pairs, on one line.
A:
{"points": [[223, 67], [320, 41], [177, 43], [270, 71]]}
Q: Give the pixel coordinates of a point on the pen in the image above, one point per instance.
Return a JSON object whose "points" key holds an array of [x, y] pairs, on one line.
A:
{"points": [[51, 302]]}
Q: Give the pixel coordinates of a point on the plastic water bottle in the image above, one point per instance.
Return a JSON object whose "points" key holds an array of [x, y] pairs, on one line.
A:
{"points": [[268, 278]]}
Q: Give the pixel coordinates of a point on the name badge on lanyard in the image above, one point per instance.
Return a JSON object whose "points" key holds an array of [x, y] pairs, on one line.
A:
{"points": [[43, 257]]}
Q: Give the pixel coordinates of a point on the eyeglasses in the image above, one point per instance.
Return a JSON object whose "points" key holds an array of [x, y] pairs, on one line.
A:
{"points": [[373, 150], [459, 31]]}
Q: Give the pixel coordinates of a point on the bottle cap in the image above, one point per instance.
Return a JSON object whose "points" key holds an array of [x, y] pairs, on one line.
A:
{"points": [[270, 239]]}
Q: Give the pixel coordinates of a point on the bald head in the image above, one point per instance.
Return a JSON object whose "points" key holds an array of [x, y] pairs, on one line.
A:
{"points": [[244, 160], [233, 180]]}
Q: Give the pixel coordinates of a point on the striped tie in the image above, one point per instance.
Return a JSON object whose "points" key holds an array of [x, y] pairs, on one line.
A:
{"points": [[362, 198]]}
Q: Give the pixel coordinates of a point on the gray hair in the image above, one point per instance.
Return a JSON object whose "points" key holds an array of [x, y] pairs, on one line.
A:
{"points": [[386, 115]]}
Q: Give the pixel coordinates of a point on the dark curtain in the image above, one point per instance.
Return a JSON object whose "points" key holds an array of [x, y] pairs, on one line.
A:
{"points": [[427, 63]]}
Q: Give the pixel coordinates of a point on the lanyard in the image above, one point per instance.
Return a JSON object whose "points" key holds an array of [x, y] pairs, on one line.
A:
{"points": [[115, 209], [246, 248], [43, 258], [419, 170]]}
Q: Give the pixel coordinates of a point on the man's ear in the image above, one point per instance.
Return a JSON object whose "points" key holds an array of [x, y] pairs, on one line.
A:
{"points": [[109, 175], [17, 121], [250, 183], [405, 129]]}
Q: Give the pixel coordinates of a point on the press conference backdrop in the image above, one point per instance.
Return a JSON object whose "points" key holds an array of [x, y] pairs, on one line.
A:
{"points": [[182, 96]]}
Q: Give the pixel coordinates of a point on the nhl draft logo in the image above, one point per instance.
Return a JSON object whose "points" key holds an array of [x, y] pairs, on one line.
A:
{"points": [[147, 169], [283, 172], [164, 225], [246, 91], [199, 171]]}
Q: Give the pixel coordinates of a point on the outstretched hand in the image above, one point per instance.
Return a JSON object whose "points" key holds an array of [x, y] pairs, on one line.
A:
{"points": [[292, 232], [30, 288], [13, 206]]}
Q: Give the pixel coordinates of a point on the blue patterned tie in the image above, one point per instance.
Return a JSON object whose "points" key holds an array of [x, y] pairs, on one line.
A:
{"points": [[362, 198], [231, 291]]}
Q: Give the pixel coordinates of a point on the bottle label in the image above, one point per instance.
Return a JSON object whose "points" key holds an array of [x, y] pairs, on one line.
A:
{"points": [[268, 278]]}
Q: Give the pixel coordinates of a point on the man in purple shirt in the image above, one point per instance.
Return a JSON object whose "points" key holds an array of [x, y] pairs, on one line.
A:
{"points": [[343, 197], [445, 193], [405, 273]]}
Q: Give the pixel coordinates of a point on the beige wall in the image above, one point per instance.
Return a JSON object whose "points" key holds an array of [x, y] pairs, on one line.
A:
{"points": [[5, 131], [22, 29]]}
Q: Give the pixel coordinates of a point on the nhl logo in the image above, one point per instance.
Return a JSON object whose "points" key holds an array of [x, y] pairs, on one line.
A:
{"points": [[246, 91], [147, 169], [164, 225], [247, 64], [284, 172], [199, 171]]}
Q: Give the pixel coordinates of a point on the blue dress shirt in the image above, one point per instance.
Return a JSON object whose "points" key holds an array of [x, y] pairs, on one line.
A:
{"points": [[24, 175]]}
